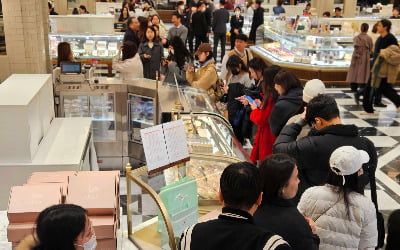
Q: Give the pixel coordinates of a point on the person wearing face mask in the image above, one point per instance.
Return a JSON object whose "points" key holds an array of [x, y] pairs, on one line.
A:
{"points": [[239, 50], [258, 19], [199, 25], [206, 76], [62, 226], [277, 213], [237, 22], [341, 201]]}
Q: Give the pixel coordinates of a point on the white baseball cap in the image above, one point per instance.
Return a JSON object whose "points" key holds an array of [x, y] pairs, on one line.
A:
{"points": [[312, 89], [347, 160]]}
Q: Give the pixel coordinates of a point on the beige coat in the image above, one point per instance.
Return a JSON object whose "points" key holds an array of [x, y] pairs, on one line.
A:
{"points": [[359, 70], [204, 78], [390, 65]]}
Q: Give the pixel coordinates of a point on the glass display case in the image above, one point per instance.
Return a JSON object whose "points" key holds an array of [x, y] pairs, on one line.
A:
{"points": [[100, 108], [310, 42], [294, 42], [87, 47], [150, 224], [141, 115]]}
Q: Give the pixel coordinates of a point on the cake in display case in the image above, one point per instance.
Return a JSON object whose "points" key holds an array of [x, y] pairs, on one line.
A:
{"points": [[101, 47], [310, 41]]}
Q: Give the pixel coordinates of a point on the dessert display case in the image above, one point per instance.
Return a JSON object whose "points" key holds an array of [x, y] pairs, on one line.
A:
{"points": [[105, 103], [88, 46], [312, 47], [91, 37]]}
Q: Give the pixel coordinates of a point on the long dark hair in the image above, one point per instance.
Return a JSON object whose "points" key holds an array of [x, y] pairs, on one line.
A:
{"points": [[351, 185], [121, 16], [129, 50], [268, 85], [155, 39], [143, 24], [181, 53], [287, 80], [275, 171], [235, 61], [64, 53], [58, 226]]}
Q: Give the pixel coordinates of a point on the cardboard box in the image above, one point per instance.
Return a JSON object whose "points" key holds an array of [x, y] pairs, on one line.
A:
{"points": [[26, 202], [107, 244], [18, 231], [50, 177], [62, 186], [105, 227], [97, 194]]}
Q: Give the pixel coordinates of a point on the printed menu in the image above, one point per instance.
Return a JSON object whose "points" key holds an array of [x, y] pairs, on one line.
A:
{"points": [[164, 145]]}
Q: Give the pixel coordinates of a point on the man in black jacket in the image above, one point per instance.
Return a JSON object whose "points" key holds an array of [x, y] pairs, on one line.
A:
{"points": [[258, 19], [131, 31], [199, 25], [312, 152], [220, 19], [240, 192]]}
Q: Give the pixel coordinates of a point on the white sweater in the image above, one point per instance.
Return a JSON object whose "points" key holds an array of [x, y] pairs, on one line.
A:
{"points": [[334, 227], [129, 68]]}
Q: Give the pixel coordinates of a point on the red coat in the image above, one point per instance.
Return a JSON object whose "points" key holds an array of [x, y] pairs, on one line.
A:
{"points": [[264, 139]]}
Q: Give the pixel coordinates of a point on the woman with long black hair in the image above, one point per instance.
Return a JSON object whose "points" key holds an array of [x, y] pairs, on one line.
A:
{"points": [[175, 63]]}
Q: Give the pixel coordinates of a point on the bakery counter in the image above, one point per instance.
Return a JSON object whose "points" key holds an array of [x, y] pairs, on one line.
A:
{"points": [[331, 72]]}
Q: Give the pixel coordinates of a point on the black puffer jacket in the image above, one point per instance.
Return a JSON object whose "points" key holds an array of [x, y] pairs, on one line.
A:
{"points": [[312, 152], [281, 216], [285, 107]]}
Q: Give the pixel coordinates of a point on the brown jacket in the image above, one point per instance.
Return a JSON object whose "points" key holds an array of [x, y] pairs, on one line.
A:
{"points": [[389, 67], [204, 78], [359, 70]]}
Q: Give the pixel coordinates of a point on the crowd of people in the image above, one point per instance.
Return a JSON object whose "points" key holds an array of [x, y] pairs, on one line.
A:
{"points": [[308, 189]]}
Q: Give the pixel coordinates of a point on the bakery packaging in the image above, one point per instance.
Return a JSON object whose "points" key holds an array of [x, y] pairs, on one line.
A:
{"points": [[104, 226], [106, 244], [26, 202], [50, 177], [18, 231], [97, 194]]}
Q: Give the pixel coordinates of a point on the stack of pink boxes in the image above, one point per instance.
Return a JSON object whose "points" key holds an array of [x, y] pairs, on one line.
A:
{"points": [[96, 191], [24, 206]]}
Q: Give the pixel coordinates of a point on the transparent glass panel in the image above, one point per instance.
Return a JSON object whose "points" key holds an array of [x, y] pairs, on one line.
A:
{"points": [[103, 117], [76, 106], [141, 115], [199, 100], [146, 226]]}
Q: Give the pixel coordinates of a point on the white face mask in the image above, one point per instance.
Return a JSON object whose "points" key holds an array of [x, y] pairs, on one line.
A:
{"points": [[237, 13], [90, 245]]}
